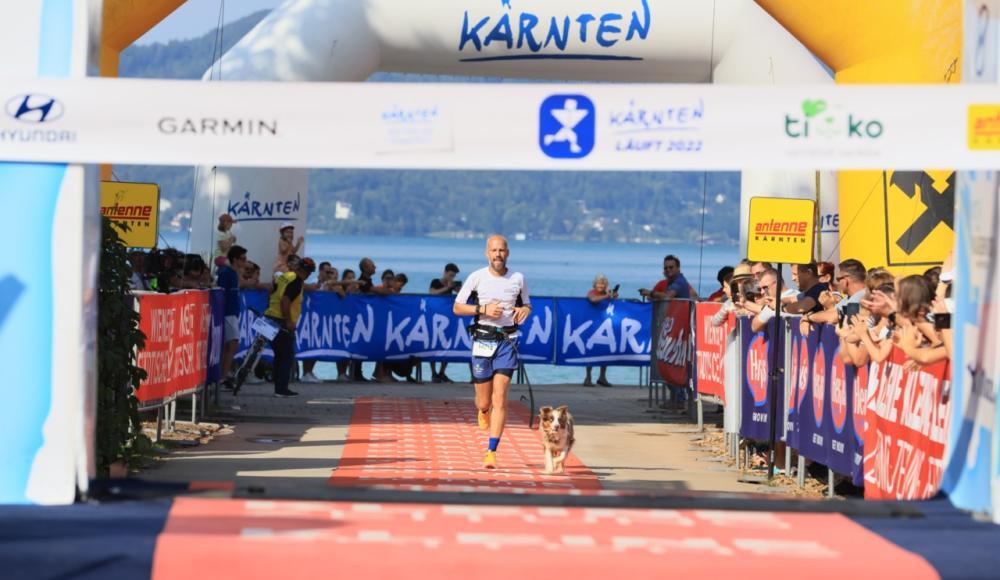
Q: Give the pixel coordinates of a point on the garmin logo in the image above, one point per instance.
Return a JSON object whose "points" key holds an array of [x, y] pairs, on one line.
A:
{"points": [[216, 127]]}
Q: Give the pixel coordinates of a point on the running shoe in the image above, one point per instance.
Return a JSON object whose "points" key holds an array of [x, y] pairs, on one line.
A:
{"points": [[285, 394], [490, 461], [310, 378], [484, 419]]}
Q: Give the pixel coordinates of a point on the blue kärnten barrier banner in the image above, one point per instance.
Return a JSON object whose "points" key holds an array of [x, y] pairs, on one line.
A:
{"points": [[564, 331], [610, 332]]}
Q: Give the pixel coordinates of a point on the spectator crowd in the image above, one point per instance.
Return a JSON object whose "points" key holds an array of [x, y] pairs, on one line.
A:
{"points": [[871, 309]]}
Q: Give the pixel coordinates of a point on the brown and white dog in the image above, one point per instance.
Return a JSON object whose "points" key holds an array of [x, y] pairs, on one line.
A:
{"points": [[557, 437]]}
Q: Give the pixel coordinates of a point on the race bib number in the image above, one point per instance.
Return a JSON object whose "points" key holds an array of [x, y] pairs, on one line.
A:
{"points": [[484, 348]]}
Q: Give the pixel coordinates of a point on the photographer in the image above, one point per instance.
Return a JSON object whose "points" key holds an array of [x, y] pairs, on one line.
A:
{"points": [[764, 304], [444, 286], [918, 337], [851, 282], [741, 281]]}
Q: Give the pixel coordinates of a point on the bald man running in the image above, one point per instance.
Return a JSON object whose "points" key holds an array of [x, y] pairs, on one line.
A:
{"points": [[494, 336]]}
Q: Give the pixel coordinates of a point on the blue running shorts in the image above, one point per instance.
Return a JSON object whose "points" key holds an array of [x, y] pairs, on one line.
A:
{"points": [[504, 359]]}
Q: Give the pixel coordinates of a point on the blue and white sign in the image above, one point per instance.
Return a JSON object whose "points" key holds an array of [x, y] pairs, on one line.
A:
{"points": [[566, 126], [655, 126], [614, 332], [562, 331]]}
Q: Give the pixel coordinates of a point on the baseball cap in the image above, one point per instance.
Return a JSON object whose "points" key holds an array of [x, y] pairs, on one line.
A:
{"points": [[286, 225]]}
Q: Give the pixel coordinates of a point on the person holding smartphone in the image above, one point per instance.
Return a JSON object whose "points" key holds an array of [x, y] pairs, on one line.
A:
{"points": [[598, 293]]}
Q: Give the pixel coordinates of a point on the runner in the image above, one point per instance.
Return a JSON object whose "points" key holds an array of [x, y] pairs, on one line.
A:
{"points": [[494, 334]]}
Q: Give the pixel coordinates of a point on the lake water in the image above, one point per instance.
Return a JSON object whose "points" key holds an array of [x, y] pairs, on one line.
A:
{"points": [[550, 268]]}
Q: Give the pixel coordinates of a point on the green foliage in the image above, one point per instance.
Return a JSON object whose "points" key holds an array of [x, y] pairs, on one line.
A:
{"points": [[119, 430], [591, 206]]}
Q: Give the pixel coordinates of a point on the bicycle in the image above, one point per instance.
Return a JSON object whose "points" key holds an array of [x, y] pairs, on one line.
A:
{"points": [[266, 330]]}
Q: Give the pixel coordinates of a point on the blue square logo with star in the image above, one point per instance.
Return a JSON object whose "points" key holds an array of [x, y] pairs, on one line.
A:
{"points": [[567, 126]]}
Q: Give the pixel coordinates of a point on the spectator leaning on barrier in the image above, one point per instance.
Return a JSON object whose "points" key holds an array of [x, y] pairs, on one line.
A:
{"points": [[725, 276], [367, 285], [764, 307], [918, 338], [387, 277], [326, 275], [741, 279], [825, 271], [876, 335], [196, 274], [943, 307], [599, 292], [228, 279], [444, 286], [674, 284], [758, 269], [349, 280], [137, 281], [810, 286], [285, 308], [851, 283]]}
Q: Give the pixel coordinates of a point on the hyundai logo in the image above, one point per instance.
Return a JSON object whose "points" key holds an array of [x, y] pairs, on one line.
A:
{"points": [[33, 108]]}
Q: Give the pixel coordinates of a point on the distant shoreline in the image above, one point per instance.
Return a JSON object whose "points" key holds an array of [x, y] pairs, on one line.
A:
{"points": [[465, 236]]}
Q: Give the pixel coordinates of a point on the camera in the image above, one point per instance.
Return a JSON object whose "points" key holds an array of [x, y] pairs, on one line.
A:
{"points": [[748, 289], [942, 320], [849, 310]]}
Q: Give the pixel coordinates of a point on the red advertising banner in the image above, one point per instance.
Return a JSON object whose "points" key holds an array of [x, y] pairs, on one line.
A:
{"points": [[671, 341], [907, 425], [176, 354], [710, 350]]}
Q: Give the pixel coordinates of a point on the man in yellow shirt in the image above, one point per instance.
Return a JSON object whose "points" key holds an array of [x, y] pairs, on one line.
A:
{"points": [[284, 308]]}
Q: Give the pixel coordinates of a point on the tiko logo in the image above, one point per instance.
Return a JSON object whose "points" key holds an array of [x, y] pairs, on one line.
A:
{"points": [[820, 120]]}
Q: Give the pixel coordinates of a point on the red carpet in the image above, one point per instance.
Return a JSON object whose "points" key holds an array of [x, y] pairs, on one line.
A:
{"points": [[286, 539], [416, 444]]}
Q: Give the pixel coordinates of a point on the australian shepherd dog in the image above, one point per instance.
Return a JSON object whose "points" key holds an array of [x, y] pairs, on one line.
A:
{"points": [[557, 437]]}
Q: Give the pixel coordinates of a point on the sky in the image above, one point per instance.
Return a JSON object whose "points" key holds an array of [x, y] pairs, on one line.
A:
{"points": [[196, 17]]}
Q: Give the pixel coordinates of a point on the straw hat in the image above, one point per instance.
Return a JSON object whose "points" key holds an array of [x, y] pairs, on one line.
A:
{"points": [[742, 271]]}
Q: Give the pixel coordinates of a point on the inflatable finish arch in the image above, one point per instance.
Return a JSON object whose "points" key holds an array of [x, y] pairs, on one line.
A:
{"points": [[617, 40], [49, 424]]}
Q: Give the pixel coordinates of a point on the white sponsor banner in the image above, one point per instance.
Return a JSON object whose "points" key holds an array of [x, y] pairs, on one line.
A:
{"points": [[498, 126]]}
